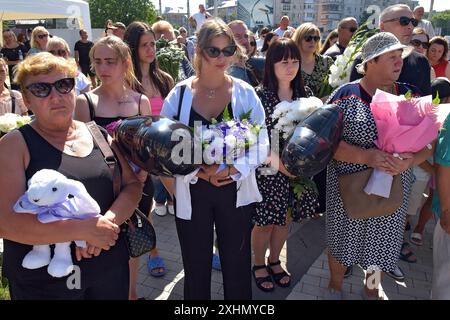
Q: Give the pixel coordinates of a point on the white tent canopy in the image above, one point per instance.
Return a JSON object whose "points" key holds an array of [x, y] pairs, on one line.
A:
{"points": [[46, 9]]}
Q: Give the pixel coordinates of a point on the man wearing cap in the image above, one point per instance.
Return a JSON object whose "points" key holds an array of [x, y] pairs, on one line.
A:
{"points": [[399, 20], [346, 28], [119, 30], [373, 243], [424, 24]]}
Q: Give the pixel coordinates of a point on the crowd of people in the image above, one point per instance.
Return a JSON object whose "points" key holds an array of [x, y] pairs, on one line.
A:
{"points": [[225, 219]]}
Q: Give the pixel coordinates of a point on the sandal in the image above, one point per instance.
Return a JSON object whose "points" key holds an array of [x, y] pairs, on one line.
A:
{"points": [[260, 280], [154, 264], [409, 256], [416, 238], [278, 276]]}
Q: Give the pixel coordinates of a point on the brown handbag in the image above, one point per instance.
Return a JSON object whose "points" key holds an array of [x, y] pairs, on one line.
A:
{"points": [[360, 205]]}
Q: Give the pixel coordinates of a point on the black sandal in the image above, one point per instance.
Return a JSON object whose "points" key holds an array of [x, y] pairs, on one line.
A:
{"points": [[260, 280], [278, 276]]}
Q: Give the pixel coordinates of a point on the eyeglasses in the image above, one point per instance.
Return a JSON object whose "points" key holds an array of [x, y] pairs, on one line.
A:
{"points": [[42, 36], [404, 21], [311, 38], [214, 52], [418, 43], [43, 89], [253, 43], [59, 52]]}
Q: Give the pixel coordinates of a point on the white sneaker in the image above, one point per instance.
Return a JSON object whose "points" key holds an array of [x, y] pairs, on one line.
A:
{"points": [[160, 210], [171, 209]]}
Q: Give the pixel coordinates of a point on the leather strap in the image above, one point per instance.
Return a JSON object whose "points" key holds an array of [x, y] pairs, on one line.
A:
{"points": [[182, 88], [108, 154], [90, 105]]}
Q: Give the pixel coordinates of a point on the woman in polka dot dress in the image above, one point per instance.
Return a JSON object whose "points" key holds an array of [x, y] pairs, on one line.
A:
{"points": [[282, 81]]}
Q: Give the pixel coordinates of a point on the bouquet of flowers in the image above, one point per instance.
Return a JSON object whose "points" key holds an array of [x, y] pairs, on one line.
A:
{"points": [[404, 124], [226, 141], [340, 71], [289, 114], [11, 121], [169, 57]]}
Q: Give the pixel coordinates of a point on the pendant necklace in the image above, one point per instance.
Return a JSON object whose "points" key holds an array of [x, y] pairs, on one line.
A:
{"points": [[71, 145]]}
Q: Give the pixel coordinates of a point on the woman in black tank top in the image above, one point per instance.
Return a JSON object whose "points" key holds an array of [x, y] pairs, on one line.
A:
{"points": [[120, 96], [54, 141]]}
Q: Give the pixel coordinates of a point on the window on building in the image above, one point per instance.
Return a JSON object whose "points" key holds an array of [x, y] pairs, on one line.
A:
{"points": [[286, 7]]}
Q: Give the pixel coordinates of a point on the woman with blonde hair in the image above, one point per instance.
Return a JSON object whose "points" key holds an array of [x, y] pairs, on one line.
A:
{"points": [[59, 47], [39, 39], [10, 100], [210, 196], [53, 140], [314, 66], [13, 52]]}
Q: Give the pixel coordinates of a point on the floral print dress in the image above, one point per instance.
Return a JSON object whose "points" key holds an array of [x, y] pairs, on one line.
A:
{"points": [[321, 68]]}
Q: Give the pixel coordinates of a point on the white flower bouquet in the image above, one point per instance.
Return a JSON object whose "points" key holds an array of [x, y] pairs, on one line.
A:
{"points": [[11, 121], [289, 114]]}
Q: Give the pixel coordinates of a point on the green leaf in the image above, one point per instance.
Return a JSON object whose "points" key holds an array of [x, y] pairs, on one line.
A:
{"points": [[246, 115], [408, 95], [226, 114], [437, 101]]}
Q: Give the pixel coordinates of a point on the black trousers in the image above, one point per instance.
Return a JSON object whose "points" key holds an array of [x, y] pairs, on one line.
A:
{"points": [[212, 205]]}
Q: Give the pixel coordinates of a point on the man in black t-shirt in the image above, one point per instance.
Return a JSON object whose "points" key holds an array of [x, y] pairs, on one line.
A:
{"points": [[82, 48], [416, 70]]}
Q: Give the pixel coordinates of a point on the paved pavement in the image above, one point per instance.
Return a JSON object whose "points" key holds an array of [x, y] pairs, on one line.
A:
{"points": [[304, 255]]}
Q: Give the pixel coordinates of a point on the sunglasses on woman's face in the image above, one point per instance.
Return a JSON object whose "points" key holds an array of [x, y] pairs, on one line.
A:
{"points": [[42, 36], [214, 52], [311, 38], [404, 21], [43, 89], [418, 43], [59, 52]]}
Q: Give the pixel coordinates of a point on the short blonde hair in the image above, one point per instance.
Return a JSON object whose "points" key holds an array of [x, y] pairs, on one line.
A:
{"points": [[210, 29], [303, 30], [10, 33], [43, 63], [57, 41], [33, 41], [123, 53]]}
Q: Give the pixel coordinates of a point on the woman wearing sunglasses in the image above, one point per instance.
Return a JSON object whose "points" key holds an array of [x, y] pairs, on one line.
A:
{"points": [[421, 42], [282, 82], [39, 40], [221, 198], [54, 141], [59, 47], [10, 100], [156, 85]]}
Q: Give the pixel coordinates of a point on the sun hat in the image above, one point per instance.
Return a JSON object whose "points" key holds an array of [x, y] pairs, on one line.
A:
{"points": [[378, 45]]}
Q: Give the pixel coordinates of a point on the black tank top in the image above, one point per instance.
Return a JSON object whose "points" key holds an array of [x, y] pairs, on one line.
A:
{"points": [[94, 173]]}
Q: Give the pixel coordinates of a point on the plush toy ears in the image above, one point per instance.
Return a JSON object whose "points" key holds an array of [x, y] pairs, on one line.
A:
{"points": [[81, 198]]}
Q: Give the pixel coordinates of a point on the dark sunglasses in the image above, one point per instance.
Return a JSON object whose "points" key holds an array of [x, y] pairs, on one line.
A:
{"points": [[43, 89], [214, 52], [404, 21], [59, 52], [311, 38], [42, 36], [418, 43]]}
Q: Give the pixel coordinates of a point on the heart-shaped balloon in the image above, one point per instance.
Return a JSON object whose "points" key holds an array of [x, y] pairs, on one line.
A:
{"points": [[157, 144], [312, 144]]}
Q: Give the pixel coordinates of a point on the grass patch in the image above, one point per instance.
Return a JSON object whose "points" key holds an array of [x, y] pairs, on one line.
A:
{"points": [[4, 291]]}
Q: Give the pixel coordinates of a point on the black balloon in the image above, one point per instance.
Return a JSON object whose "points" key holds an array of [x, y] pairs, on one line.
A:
{"points": [[147, 142], [312, 144]]}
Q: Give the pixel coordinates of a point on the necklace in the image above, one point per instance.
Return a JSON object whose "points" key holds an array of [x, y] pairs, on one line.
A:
{"points": [[71, 145], [211, 93]]}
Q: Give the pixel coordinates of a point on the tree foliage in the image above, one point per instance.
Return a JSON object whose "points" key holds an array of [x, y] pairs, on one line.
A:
{"points": [[442, 20], [125, 11]]}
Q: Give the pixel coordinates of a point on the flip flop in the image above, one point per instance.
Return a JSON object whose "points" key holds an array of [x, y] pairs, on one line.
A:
{"points": [[154, 263], [416, 238], [407, 256]]}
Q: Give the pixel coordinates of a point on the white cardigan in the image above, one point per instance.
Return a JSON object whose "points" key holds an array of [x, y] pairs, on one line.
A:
{"points": [[244, 99]]}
